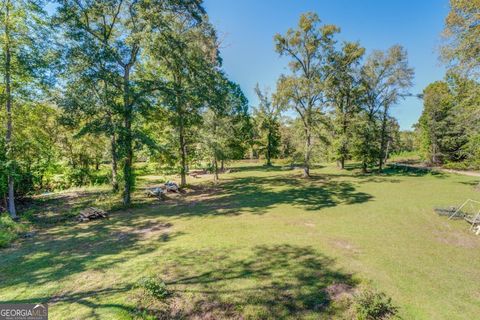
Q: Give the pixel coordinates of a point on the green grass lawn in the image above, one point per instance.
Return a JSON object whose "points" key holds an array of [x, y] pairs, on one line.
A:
{"points": [[263, 244]]}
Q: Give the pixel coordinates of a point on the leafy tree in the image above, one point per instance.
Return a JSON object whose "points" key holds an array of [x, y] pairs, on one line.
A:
{"points": [[35, 151], [22, 34], [345, 94], [444, 121], [462, 36], [268, 124], [116, 34], [226, 124], [309, 47], [461, 50], [386, 78], [185, 56], [288, 143], [435, 119], [93, 103]]}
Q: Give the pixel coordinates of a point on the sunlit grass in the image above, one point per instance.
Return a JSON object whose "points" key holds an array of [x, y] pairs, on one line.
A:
{"points": [[264, 243]]}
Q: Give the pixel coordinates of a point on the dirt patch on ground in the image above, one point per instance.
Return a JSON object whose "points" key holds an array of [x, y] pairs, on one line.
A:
{"points": [[143, 232], [345, 245], [457, 239], [152, 228], [339, 291], [195, 308]]}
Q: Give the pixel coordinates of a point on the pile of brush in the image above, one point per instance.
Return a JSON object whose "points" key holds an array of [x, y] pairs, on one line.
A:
{"points": [[91, 214]]}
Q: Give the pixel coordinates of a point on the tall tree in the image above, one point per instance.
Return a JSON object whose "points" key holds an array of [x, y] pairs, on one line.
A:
{"points": [[22, 34], [386, 78], [344, 93], [119, 31], [434, 123], [462, 36], [186, 57], [225, 127], [308, 46], [268, 126]]}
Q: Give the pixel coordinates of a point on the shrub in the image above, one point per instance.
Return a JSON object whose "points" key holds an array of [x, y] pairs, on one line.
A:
{"points": [[373, 305], [154, 287], [9, 230]]}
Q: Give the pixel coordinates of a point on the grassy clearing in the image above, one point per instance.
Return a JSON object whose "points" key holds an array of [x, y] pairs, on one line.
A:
{"points": [[262, 244]]}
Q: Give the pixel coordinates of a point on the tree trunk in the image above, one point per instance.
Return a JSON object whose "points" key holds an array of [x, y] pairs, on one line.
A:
{"points": [[268, 155], [113, 151], [387, 150], [383, 134], [215, 170], [127, 140], [183, 153], [308, 147], [344, 148], [222, 165], [8, 136]]}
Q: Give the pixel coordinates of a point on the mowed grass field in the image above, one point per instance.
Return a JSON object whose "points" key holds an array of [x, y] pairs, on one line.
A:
{"points": [[263, 244]]}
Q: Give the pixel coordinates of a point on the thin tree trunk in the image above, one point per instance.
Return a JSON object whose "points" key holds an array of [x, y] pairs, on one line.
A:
{"points": [[364, 166], [268, 155], [215, 170], [8, 136], [222, 165], [383, 134], [344, 149], [113, 150], [387, 150], [308, 147], [127, 166], [183, 153]]}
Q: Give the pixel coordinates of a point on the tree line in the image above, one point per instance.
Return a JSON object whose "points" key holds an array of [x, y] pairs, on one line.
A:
{"points": [[447, 132], [90, 85]]}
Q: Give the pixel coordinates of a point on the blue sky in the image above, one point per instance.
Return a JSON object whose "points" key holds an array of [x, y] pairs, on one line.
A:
{"points": [[247, 28]]}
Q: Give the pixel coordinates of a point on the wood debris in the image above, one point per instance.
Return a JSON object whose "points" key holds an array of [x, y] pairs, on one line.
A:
{"points": [[91, 213]]}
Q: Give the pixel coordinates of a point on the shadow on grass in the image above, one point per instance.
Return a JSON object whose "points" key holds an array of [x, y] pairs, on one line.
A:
{"points": [[269, 282], [258, 195], [55, 254], [273, 282], [59, 208]]}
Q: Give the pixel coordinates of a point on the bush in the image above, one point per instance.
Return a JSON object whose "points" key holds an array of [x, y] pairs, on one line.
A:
{"points": [[154, 287], [373, 305], [457, 165], [9, 230]]}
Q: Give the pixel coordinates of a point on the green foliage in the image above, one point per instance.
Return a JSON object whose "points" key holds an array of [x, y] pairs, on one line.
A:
{"points": [[462, 36], [154, 287], [385, 78], [345, 95], [308, 47], [443, 126], [266, 117], [373, 305], [9, 230]]}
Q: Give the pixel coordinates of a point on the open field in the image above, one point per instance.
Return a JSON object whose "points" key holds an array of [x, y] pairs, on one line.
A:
{"points": [[264, 244]]}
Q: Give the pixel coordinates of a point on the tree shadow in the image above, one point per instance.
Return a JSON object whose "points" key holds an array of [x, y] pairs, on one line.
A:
{"points": [[259, 194], [61, 207], [274, 282], [473, 183], [54, 254], [408, 171]]}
